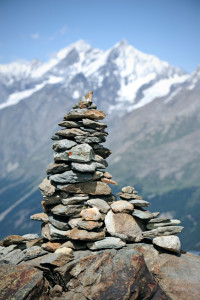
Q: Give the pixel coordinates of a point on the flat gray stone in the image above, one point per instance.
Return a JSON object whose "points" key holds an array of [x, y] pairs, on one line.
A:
{"points": [[170, 242], [54, 168], [89, 139], [69, 210], [14, 257], [30, 236], [166, 230], [142, 214], [81, 153], [56, 259], [70, 124], [74, 200], [89, 167], [90, 130], [81, 113], [74, 222], [34, 252], [94, 124], [107, 243], [72, 132], [71, 177], [61, 156], [102, 205], [161, 224], [6, 250], [51, 233], [140, 203], [59, 222], [90, 187], [63, 145], [158, 220]]}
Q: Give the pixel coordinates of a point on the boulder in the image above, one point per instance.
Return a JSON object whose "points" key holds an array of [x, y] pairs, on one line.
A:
{"points": [[63, 145], [40, 217], [112, 275], [124, 224], [21, 282]]}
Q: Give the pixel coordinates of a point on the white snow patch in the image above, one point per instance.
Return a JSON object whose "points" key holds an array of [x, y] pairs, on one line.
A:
{"points": [[18, 96], [158, 90], [129, 91]]}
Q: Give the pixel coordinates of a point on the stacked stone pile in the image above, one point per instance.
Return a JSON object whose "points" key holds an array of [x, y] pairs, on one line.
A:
{"points": [[80, 211], [160, 229]]}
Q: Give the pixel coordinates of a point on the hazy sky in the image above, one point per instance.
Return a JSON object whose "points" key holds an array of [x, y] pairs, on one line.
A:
{"points": [[169, 29]]}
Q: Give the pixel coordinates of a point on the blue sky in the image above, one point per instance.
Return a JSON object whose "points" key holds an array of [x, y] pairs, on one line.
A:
{"points": [[169, 29]]}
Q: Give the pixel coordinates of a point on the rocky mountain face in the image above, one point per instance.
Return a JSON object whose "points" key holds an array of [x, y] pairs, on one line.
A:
{"points": [[152, 110]]}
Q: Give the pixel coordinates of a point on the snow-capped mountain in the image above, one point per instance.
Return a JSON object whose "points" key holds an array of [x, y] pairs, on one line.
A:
{"points": [[134, 78], [152, 112]]}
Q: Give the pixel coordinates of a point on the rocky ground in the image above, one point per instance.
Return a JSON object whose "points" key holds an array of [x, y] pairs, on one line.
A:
{"points": [[137, 271]]}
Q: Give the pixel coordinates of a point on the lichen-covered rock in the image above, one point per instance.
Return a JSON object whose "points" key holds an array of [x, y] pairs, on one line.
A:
{"points": [[21, 282]]}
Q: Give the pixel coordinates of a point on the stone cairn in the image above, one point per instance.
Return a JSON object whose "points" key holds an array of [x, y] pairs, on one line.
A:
{"points": [[80, 211]]}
